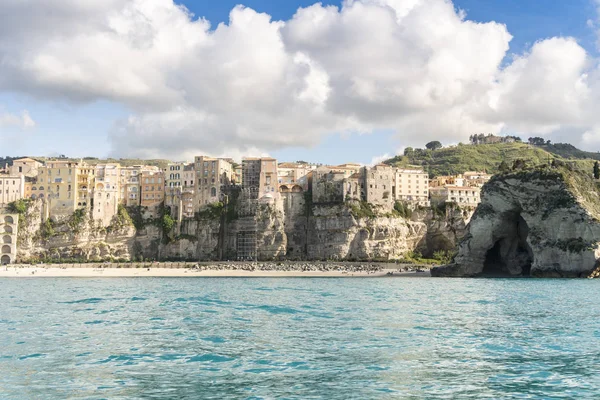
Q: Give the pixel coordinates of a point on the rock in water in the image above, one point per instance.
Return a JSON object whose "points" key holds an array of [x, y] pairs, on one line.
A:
{"points": [[542, 222]]}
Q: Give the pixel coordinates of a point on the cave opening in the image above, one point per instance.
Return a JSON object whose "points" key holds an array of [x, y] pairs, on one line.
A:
{"points": [[510, 255]]}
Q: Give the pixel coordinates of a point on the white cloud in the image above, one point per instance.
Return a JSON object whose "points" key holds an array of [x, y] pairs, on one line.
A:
{"points": [[418, 67], [21, 121], [379, 159]]}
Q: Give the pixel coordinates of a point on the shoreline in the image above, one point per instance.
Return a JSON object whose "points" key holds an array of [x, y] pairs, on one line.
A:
{"points": [[46, 271]]}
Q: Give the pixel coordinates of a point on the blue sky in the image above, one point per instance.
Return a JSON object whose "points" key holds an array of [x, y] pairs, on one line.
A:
{"points": [[79, 129]]}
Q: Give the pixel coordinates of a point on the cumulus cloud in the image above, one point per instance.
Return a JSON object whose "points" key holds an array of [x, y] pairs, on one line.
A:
{"points": [[21, 121], [418, 67]]}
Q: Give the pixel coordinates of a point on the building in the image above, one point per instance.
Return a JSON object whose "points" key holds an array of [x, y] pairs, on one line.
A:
{"points": [[180, 180], [464, 196], [379, 185], [25, 166], [412, 186], [328, 185], [293, 177], [8, 232], [129, 194], [152, 188], [213, 176], [478, 179], [12, 188], [259, 177], [65, 185], [106, 194]]}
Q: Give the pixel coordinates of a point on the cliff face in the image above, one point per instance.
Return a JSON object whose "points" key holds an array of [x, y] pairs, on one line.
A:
{"points": [[542, 223], [334, 233], [286, 229], [72, 238]]}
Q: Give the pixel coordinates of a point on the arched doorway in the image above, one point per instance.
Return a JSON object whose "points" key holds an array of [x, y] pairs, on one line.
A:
{"points": [[8, 229], [7, 239], [284, 189], [9, 220], [6, 249], [297, 189], [5, 260]]}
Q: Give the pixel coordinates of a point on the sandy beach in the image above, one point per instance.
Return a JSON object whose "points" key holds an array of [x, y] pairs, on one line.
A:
{"points": [[54, 272]]}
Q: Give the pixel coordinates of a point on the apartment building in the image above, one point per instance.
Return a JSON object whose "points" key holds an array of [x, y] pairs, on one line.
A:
{"points": [[152, 188], [179, 189], [106, 194], [411, 185], [213, 175], [12, 187], [66, 185], [259, 177], [464, 196]]}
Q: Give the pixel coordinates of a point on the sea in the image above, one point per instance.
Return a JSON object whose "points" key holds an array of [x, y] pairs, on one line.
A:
{"points": [[299, 338]]}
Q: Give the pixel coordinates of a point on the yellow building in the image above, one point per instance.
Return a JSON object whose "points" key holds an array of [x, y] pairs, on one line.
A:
{"points": [[65, 185], [152, 188]]}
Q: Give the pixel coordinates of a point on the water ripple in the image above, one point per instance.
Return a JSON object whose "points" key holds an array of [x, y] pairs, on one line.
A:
{"points": [[299, 339]]}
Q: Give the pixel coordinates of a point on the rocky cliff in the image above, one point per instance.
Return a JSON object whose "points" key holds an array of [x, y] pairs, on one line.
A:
{"points": [[292, 228], [541, 222]]}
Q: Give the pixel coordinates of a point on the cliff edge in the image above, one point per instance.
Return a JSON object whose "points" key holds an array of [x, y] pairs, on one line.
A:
{"points": [[540, 222]]}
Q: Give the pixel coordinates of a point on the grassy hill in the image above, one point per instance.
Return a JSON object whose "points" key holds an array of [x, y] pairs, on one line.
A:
{"points": [[483, 157], [569, 151]]}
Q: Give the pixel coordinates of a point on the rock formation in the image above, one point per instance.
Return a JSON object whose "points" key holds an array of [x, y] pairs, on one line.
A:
{"points": [[289, 229], [541, 222]]}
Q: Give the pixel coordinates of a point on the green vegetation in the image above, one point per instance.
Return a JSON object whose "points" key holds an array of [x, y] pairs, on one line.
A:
{"points": [[166, 223], [361, 209], [47, 229], [402, 209], [211, 211], [569, 151], [136, 216], [458, 159], [120, 220], [18, 207], [77, 219]]}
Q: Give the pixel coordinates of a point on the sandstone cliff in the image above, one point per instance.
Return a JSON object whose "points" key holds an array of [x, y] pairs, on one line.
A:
{"points": [[291, 228], [542, 222]]}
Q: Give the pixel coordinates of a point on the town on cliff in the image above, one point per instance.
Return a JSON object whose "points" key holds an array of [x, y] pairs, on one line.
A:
{"points": [[61, 209]]}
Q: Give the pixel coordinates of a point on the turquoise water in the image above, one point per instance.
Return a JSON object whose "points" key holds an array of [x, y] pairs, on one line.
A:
{"points": [[204, 338]]}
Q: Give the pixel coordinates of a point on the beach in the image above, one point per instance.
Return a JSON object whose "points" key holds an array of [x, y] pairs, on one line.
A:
{"points": [[242, 270]]}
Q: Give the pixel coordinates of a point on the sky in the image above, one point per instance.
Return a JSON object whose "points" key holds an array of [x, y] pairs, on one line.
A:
{"points": [[328, 82]]}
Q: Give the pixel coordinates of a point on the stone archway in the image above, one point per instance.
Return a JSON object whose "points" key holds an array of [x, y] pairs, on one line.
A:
{"points": [[6, 239], [5, 260], [9, 220], [6, 249], [510, 254], [8, 229]]}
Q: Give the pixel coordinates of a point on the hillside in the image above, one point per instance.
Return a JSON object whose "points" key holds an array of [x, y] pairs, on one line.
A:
{"points": [[461, 158], [569, 151]]}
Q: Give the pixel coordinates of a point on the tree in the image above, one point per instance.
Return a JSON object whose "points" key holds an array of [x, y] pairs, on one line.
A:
{"points": [[596, 170], [537, 141], [503, 167], [433, 145], [409, 151]]}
